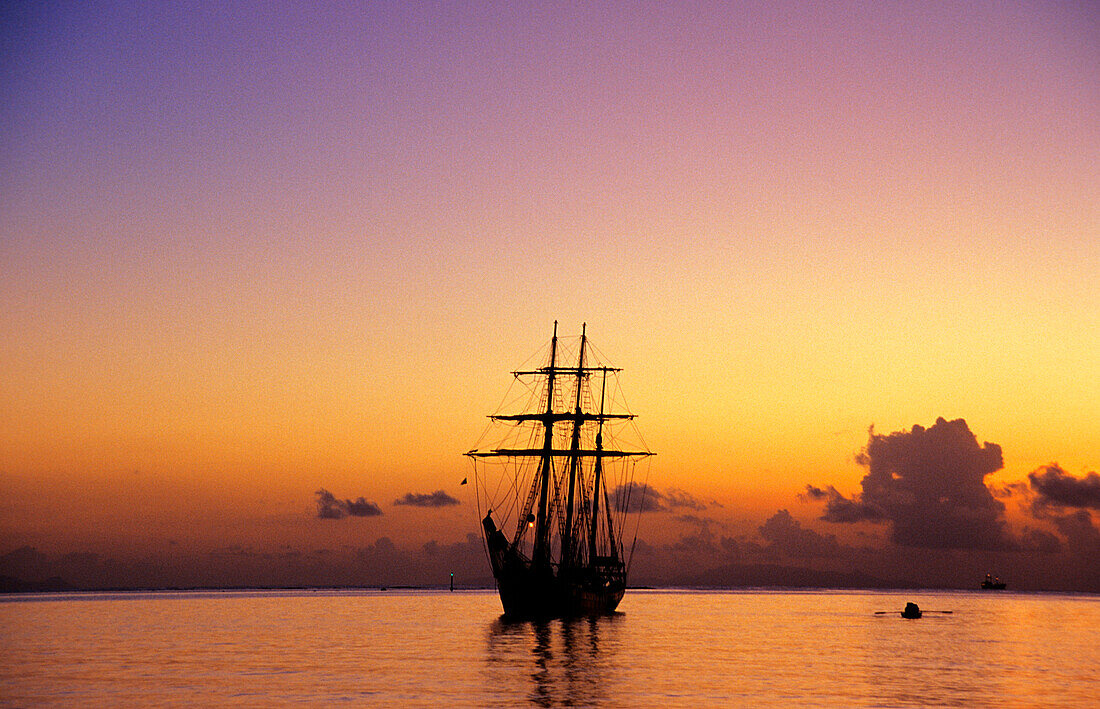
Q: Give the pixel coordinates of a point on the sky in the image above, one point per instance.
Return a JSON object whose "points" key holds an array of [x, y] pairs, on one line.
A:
{"points": [[263, 262]]}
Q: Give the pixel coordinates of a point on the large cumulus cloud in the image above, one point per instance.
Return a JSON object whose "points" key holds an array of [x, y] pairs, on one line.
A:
{"points": [[928, 483]]}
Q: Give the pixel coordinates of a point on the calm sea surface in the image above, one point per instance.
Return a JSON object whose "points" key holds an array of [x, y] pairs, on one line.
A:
{"points": [[665, 648]]}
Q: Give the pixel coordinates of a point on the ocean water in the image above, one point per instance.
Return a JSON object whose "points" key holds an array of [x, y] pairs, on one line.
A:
{"points": [[435, 648]]}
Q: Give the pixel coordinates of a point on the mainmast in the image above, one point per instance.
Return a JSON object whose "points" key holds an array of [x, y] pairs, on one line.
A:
{"points": [[574, 459], [592, 548], [541, 552]]}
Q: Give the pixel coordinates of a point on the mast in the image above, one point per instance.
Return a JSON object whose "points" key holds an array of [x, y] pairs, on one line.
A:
{"points": [[574, 460], [596, 482], [541, 553]]}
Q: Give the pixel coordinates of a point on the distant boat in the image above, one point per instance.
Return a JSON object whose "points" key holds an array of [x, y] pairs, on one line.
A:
{"points": [[550, 479], [992, 583]]}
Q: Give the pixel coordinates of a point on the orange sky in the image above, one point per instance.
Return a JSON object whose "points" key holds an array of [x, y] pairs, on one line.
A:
{"points": [[238, 267]]}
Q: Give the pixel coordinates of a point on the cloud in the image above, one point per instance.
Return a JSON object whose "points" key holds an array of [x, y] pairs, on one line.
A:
{"points": [[929, 484], [362, 508], [436, 499], [329, 507], [787, 535], [1040, 540], [700, 543], [1055, 486], [637, 497], [679, 498], [1064, 501], [816, 493], [1082, 536], [1009, 490], [841, 509], [702, 540]]}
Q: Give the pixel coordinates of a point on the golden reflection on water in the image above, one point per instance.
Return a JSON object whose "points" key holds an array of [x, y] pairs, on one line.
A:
{"points": [[570, 661], [665, 649], [806, 648]]}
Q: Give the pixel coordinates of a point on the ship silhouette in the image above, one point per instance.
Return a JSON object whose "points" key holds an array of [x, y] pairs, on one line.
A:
{"points": [[559, 480]]}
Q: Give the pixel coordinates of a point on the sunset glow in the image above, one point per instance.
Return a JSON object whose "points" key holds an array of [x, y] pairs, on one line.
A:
{"points": [[252, 253]]}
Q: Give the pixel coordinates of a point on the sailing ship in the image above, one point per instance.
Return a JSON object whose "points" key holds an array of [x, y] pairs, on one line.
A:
{"points": [[560, 476]]}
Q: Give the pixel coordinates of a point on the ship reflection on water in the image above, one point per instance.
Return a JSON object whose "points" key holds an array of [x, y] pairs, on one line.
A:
{"points": [[569, 661]]}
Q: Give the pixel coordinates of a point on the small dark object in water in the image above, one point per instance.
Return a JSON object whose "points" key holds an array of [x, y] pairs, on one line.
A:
{"points": [[992, 583], [911, 611]]}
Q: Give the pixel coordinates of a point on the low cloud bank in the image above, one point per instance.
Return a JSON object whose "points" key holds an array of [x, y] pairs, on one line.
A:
{"points": [[381, 563], [785, 534]]}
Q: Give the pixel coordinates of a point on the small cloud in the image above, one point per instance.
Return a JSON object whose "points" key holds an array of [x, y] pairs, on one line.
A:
{"points": [[815, 493], [679, 498], [638, 497], [437, 499], [1055, 486], [696, 521], [362, 508], [330, 507]]}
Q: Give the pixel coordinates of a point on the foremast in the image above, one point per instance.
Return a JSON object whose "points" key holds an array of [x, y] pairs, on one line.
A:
{"points": [[541, 555]]}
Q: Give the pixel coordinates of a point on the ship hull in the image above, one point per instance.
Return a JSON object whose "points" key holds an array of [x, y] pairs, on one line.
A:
{"points": [[526, 593], [531, 590]]}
